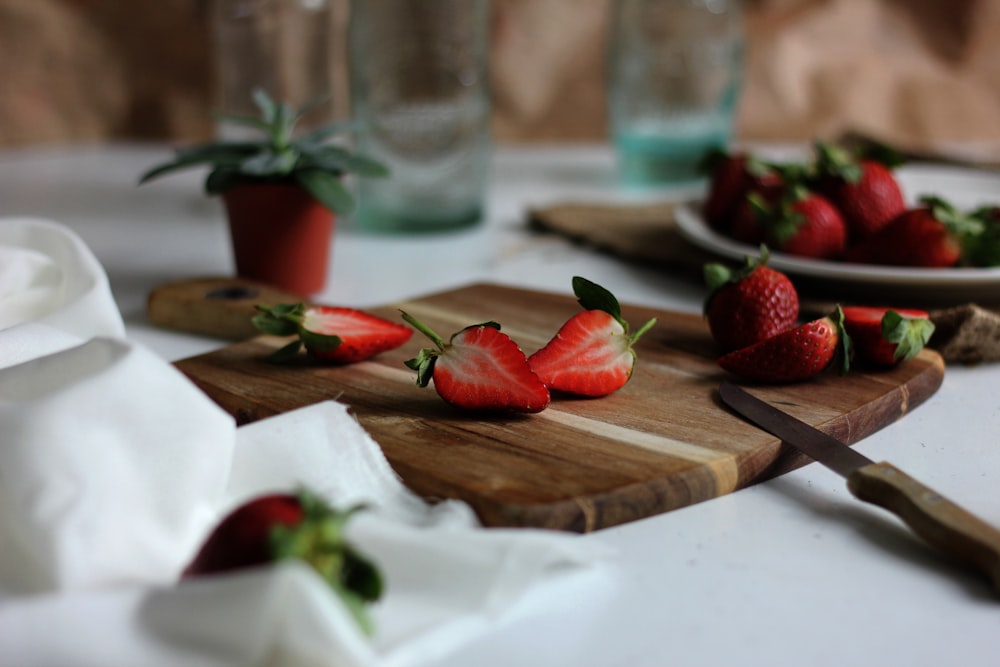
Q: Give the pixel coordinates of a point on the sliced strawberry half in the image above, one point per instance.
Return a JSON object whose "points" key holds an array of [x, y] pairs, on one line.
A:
{"points": [[329, 333], [480, 368], [793, 355], [887, 336], [591, 354]]}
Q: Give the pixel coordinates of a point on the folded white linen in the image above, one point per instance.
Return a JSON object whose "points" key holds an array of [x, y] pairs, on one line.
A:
{"points": [[49, 275], [114, 467]]}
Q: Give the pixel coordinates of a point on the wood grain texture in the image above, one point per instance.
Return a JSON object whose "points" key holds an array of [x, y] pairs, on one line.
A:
{"points": [[662, 442]]}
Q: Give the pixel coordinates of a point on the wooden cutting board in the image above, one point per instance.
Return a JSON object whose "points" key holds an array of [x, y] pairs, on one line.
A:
{"points": [[662, 442]]}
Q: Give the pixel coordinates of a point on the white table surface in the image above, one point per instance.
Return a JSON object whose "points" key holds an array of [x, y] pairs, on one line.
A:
{"points": [[793, 571]]}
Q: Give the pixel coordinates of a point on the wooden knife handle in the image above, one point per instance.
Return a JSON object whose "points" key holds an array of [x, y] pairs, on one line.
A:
{"points": [[940, 522]]}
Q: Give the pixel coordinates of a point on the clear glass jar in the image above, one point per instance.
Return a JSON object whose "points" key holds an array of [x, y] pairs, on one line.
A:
{"points": [[283, 46], [419, 86], [674, 76]]}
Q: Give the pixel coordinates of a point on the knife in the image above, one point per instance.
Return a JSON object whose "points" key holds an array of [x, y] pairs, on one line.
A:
{"points": [[939, 521]]}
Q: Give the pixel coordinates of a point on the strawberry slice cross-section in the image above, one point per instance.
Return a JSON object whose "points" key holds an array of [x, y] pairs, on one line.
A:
{"points": [[329, 333], [480, 368], [591, 354]]}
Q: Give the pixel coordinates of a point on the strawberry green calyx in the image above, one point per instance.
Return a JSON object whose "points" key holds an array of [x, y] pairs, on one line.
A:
{"points": [[717, 274], [833, 160], [964, 226], [910, 334], [286, 319], [984, 250], [424, 362], [592, 296], [783, 220], [320, 540]]}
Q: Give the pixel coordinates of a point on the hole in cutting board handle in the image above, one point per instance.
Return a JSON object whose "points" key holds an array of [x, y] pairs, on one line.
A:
{"points": [[232, 293]]}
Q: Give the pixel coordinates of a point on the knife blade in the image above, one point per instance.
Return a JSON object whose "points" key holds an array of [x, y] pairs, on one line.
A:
{"points": [[940, 522]]}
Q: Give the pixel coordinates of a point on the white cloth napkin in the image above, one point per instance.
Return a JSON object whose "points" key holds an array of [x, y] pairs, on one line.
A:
{"points": [[48, 275], [114, 467]]}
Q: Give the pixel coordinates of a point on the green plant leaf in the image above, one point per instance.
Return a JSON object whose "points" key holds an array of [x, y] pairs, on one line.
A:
{"points": [[333, 158], [269, 163], [246, 121], [268, 110], [223, 178], [222, 152], [321, 134], [327, 189]]}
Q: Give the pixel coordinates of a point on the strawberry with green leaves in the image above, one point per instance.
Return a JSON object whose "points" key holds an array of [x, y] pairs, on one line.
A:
{"points": [[934, 234], [748, 304], [803, 223], [887, 336], [732, 176], [863, 189], [281, 526], [592, 353], [793, 355], [330, 334], [479, 369]]}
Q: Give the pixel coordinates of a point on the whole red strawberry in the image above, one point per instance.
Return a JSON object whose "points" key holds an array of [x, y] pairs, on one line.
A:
{"points": [[330, 334], [887, 336], [806, 224], [865, 191], [793, 355], [479, 369], [932, 235], [275, 527], [732, 177], [748, 304], [592, 354]]}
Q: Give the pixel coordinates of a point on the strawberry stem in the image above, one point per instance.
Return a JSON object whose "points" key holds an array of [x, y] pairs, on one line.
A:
{"points": [[641, 330], [424, 329]]}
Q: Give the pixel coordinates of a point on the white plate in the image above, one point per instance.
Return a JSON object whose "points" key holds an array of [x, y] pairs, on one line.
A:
{"points": [[965, 188]]}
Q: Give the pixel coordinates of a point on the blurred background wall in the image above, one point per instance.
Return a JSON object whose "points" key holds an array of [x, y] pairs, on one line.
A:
{"points": [[912, 71]]}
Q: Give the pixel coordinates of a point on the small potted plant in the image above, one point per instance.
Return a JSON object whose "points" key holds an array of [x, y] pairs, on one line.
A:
{"points": [[281, 193]]}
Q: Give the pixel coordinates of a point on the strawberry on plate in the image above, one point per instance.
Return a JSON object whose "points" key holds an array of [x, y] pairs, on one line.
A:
{"points": [[330, 334], [865, 190], [591, 354], [732, 176], [806, 224], [479, 369], [748, 304], [302, 526], [932, 235], [793, 355], [887, 336]]}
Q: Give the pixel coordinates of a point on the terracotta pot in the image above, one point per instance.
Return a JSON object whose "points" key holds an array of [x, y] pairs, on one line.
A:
{"points": [[281, 236]]}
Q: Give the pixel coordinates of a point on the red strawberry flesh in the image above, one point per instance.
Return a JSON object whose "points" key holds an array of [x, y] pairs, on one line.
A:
{"points": [[483, 369], [362, 335], [884, 339], [591, 355]]}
